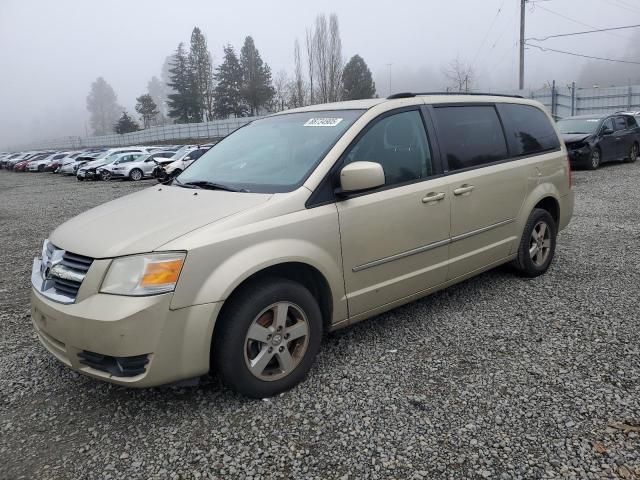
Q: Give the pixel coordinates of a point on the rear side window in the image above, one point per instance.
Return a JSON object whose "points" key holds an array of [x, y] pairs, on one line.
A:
{"points": [[470, 136], [528, 128]]}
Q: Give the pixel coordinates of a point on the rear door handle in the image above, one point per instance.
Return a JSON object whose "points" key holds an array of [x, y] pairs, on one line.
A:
{"points": [[463, 189], [433, 197]]}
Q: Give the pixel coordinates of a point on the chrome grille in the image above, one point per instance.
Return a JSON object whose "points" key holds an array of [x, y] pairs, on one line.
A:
{"points": [[76, 263], [59, 274]]}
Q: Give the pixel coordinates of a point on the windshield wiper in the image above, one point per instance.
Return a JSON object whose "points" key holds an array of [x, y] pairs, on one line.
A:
{"points": [[206, 185]]}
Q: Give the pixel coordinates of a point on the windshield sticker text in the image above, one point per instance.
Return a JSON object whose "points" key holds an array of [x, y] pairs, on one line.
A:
{"points": [[322, 122]]}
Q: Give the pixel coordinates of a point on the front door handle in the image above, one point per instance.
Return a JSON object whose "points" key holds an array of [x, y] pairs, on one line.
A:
{"points": [[433, 197], [463, 189]]}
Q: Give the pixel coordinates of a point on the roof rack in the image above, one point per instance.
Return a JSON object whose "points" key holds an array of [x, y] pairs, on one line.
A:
{"points": [[410, 94]]}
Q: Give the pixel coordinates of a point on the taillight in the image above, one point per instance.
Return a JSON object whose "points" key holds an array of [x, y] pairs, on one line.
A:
{"points": [[569, 172]]}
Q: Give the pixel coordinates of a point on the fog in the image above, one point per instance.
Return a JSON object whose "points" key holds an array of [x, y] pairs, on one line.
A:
{"points": [[52, 51]]}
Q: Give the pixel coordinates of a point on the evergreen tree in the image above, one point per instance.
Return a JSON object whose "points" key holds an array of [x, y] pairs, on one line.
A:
{"points": [[103, 106], [257, 90], [126, 124], [357, 82], [147, 109], [180, 101], [228, 99], [201, 71]]}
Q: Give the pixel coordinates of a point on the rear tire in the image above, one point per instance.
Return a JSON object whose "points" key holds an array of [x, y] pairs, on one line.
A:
{"points": [[268, 337], [40, 168], [633, 153], [537, 245]]}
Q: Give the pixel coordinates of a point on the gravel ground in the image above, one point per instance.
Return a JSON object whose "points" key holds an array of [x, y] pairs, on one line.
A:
{"points": [[498, 377]]}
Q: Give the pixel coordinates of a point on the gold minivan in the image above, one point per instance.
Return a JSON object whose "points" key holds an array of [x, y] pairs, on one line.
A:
{"points": [[297, 224]]}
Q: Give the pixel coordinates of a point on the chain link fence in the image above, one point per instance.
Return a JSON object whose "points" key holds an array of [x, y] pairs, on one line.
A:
{"points": [[561, 101]]}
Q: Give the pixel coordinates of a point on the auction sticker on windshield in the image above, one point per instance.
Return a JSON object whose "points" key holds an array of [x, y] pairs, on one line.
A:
{"points": [[322, 122]]}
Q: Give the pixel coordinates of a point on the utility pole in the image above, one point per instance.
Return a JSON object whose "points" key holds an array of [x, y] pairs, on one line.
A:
{"points": [[522, 6], [389, 65]]}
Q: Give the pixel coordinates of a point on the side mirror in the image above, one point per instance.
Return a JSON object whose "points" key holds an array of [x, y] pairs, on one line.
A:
{"points": [[359, 176], [606, 131]]}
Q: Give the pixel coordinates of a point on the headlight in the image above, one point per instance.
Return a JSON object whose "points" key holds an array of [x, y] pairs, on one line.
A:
{"points": [[147, 274]]}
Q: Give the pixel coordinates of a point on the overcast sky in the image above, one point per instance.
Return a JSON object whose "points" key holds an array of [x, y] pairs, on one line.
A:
{"points": [[53, 50]]}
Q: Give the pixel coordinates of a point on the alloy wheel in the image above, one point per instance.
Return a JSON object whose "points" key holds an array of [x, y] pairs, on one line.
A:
{"points": [[633, 155], [136, 175], [540, 244], [595, 159], [276, 341]]}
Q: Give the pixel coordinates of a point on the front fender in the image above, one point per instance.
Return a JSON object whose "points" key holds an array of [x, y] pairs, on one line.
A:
{"points": [[217, 263]]}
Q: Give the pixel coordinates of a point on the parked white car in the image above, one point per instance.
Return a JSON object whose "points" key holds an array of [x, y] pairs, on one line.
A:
{"points": [[108, 171], [40, 165], [141, 167], [71, 166], [177, 166]]}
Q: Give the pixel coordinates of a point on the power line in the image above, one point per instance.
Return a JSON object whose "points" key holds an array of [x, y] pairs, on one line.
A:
{"points": [[545, 49], [573, 20], [622, 5], [487, 34], [582, 33]]}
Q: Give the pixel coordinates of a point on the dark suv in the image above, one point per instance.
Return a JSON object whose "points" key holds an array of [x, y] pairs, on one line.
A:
{"points": [[595, 139]]}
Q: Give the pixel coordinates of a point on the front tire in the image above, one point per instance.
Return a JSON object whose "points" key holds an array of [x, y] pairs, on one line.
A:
{"points": [[594, 159], [135, 174], [268, 337], [105, 175], [537, 245]]}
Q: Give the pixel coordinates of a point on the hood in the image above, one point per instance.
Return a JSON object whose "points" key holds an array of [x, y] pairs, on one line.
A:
{"points": [[575, 137], [146, 220]]}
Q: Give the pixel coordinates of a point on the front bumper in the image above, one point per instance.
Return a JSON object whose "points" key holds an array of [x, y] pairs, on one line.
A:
{"points": [[579, 156], [175, 342]]}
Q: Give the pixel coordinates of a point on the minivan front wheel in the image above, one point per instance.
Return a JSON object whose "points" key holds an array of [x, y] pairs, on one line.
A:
{"points": [[268, 337], [537, 245]]}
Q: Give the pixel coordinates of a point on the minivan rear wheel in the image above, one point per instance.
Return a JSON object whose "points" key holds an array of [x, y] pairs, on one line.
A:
{"points": [[268, 337], [537, 245]]}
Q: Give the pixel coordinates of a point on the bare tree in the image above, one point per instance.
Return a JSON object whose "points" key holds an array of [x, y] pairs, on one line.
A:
{"points": [[209, 92], [334, 60], [460, 76], [321, 47], [311, 63], [281, 85], [298, 94], [324, 49]]}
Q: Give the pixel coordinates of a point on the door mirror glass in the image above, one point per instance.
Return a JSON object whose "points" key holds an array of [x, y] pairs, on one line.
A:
{"points": [[359, 176]]}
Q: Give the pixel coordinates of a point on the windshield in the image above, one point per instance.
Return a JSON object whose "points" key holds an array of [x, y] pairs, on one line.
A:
{"points": [[274, 154], [180, 152], [578, 125]]}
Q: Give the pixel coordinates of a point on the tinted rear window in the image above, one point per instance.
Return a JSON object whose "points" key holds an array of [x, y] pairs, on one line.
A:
{"points": [[528, 129], [470, 136]]}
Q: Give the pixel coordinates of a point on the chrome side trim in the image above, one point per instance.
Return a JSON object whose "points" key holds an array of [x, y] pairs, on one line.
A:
{"points": [[430, 246], [398, 256], [481, 230]]}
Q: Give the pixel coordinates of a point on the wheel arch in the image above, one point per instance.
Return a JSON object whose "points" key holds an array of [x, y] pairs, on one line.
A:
{"points": [[303, 273]]}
